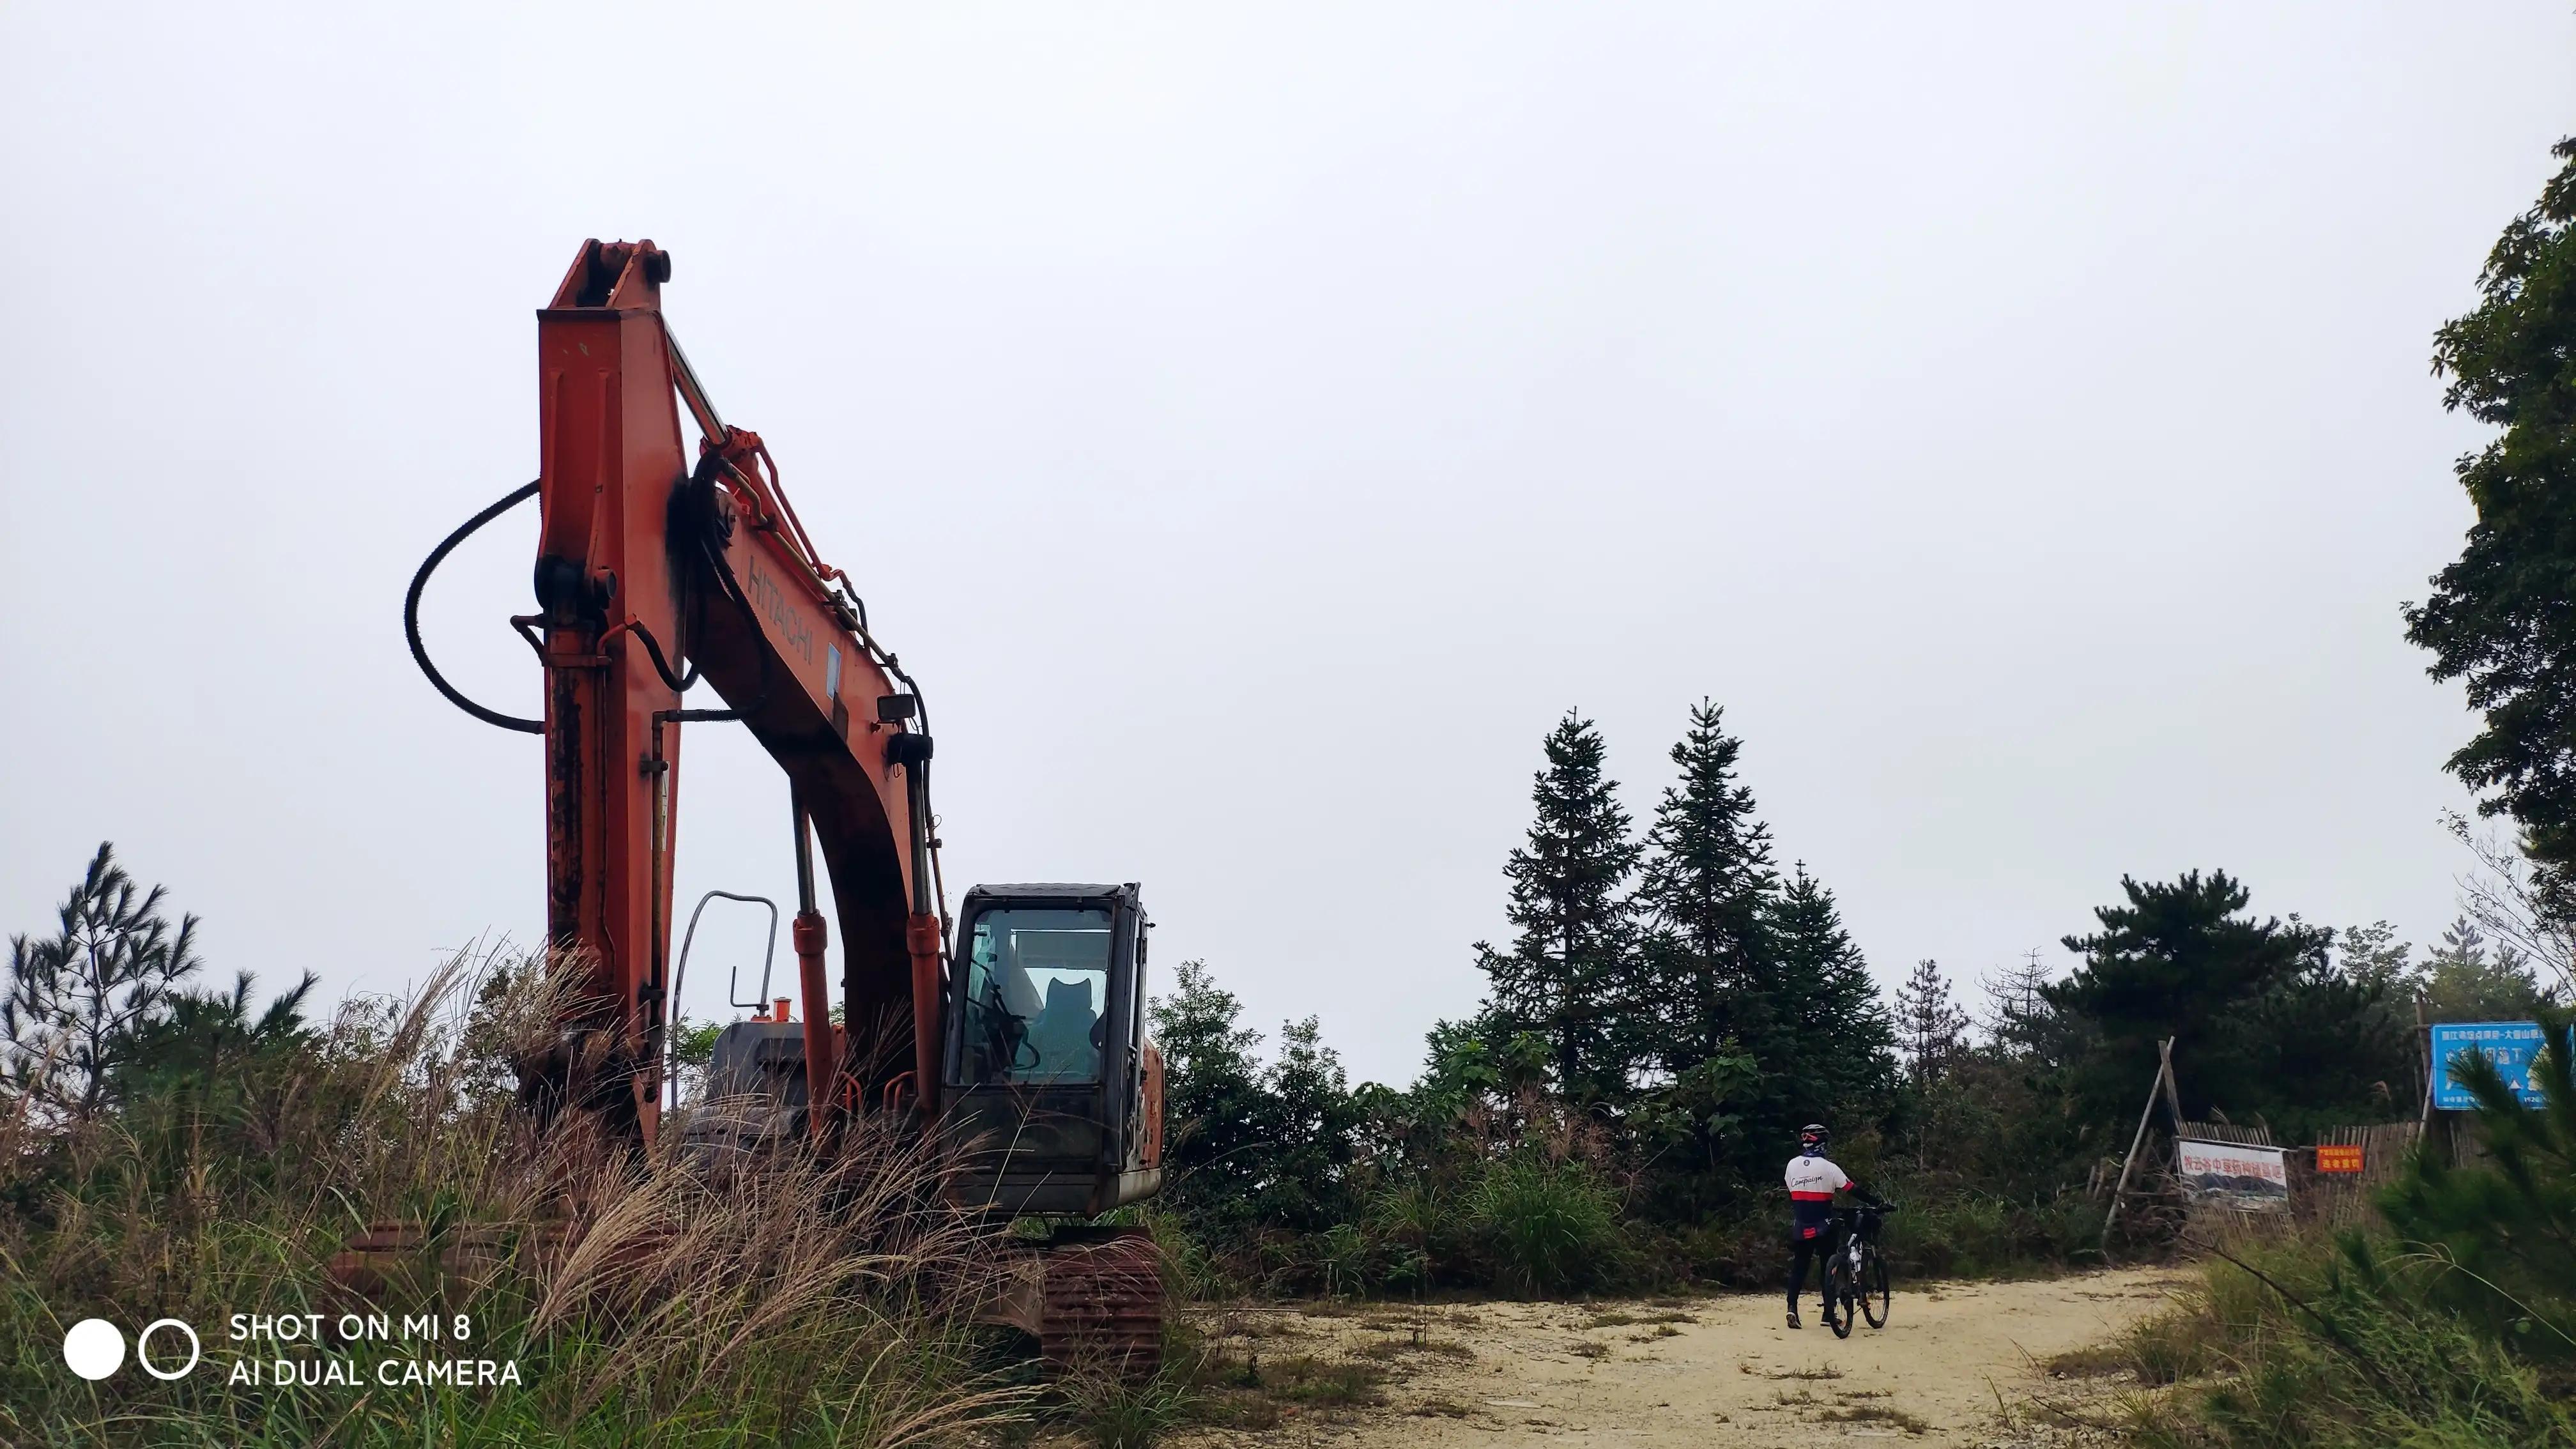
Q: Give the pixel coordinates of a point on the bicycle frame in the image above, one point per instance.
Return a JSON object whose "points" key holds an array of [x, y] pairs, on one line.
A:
{"points": [[1853, 1253]]}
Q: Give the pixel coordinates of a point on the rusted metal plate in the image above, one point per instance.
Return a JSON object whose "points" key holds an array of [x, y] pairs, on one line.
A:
{"points": [[391, 1259]]}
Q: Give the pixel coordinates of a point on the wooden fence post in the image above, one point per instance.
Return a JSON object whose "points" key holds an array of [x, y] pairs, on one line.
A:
{"points": [[2164, 1084]]}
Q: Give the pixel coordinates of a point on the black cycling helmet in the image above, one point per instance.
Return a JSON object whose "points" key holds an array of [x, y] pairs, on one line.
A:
{"points": [[1814, 1134]]}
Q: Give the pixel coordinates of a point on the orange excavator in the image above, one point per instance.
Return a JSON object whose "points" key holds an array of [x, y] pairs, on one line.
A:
{"points": [[656, 572]]}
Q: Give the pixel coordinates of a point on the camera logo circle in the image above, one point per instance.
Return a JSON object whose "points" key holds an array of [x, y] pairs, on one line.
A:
{"points": [[143, 1340], [94, 1348]]}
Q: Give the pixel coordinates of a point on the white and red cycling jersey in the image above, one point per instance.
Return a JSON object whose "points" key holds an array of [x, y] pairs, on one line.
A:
{"points": [[1813, 1180]]}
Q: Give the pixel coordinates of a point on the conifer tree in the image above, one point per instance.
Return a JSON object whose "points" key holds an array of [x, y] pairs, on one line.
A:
{"points": [[1566, 978], [1833, 1034], [1706, 887], [1931, 1030], [2019, 1020], [2182, 959], [2469, 978], [78, 1002]]}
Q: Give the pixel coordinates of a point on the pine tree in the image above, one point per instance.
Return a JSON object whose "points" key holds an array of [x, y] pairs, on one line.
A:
{"points": [[80, 1000], [1832, 1032], [2182, 960], [1706, 887], [1930, 1029], [2469, 978], [1566, 977]]}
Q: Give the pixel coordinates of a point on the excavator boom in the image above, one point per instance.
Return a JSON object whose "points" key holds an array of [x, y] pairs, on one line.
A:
{"points": [[654, 567]]}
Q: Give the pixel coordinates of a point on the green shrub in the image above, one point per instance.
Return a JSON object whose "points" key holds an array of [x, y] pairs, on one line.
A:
{"points": [[1974, 1234], [1115, 1411], [1550, 1226], [2307, 1346]]}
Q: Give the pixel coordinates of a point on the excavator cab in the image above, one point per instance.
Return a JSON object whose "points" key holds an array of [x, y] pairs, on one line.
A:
{"points": [[1051, 1082]]}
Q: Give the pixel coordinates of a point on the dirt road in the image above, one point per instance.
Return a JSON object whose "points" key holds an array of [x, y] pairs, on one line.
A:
{"points": [[1671, 1372]]}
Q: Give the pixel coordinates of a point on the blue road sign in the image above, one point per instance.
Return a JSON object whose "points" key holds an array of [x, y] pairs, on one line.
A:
{"points": [[2509, 1044]]}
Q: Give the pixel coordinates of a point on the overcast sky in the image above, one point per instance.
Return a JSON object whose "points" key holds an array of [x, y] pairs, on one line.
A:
{"points": [[1257, 426]]}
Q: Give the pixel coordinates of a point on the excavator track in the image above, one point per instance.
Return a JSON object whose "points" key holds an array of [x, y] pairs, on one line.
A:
{"points": [[1091, 1297]]}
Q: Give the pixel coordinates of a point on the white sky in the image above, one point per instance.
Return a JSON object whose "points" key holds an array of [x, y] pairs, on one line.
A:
{"points": [[1256, 426]]}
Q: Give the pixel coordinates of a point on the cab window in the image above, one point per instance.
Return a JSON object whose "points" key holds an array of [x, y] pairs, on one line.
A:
{"points": [[1037, 990]]}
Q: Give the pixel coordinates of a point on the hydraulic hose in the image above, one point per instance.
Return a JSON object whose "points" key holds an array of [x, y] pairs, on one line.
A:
{"points": [[411, 615]]}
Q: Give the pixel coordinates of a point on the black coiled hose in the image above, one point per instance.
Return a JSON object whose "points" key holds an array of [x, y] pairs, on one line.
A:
{"points": [[411, 615]]}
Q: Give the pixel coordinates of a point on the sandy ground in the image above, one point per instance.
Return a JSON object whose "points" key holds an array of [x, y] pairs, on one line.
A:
{"points": [[1958, 1364]]}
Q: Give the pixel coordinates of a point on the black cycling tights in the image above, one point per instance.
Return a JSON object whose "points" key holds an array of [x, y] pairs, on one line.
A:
{"points": [[1801, 1249]]}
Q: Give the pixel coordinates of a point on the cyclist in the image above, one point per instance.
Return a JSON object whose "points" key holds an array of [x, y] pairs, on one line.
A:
{"points": [[1813, 1180]]}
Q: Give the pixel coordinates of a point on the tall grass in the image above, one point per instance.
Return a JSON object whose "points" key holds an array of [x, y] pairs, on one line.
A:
{"points": [[662, 1298], [2303, 1344], [1550, 1226]]}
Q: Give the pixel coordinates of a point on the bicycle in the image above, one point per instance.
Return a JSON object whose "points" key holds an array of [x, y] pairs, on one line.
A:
{"points": [[1856, 1272]]}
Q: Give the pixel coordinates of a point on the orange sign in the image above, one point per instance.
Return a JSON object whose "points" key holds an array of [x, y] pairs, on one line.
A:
{"points": [[2339, 1159]]}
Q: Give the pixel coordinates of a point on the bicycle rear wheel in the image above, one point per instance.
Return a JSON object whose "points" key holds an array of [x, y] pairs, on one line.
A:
{"points": [[1838, 1296], [1873, 1290]]}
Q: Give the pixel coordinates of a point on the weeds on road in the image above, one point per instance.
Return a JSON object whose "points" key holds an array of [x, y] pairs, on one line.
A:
{"points": [[1393, 1349], [1623, 1318], [1237, 1373], [1874, 1414], [639, 1299]]}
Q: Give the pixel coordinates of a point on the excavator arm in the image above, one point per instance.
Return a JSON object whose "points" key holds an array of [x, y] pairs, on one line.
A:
{"points": [[654, 570]]}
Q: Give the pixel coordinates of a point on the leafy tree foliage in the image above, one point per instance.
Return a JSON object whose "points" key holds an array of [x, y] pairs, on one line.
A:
{"points": [[1567, 976], [1212, 1103], [1251, 1148], [1458, 1066], [2373, 953], [80, 1000], [1307, 1123], [2502, 616]]}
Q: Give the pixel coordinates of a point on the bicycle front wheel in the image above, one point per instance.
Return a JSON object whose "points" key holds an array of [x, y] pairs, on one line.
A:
{"points": [[1873, 1291], [1838, 1296]]}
